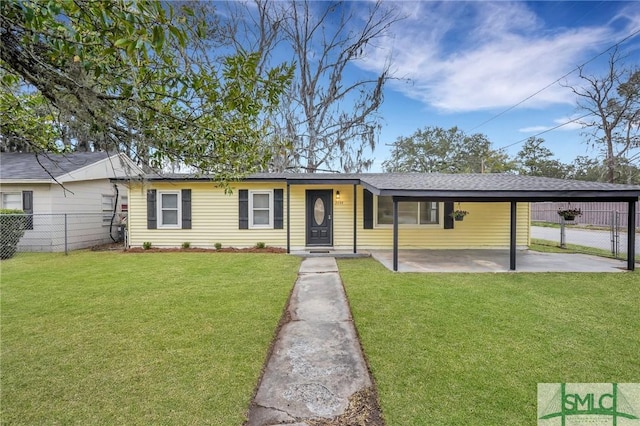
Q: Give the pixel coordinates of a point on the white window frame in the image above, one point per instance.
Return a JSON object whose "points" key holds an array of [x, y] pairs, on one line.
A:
{"points": [[2, 204], [107, 214], [251, 209], [124, 201], [178, 208], [440, 223]]}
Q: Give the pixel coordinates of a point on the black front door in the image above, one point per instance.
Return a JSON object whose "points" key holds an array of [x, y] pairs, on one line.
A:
{"points": [[319, 217]]}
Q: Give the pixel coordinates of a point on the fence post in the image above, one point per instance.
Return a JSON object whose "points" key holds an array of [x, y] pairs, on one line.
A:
{"points": [[563, 240], [615, 233], [66, 247]]}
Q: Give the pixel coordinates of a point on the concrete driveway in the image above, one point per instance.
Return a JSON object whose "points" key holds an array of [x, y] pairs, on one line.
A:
{"points": [[495, 261], [584, 237]]}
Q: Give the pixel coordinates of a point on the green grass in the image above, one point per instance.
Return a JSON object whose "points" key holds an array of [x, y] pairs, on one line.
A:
{"points": [[150, 338], [471, 348], [547, 246]]}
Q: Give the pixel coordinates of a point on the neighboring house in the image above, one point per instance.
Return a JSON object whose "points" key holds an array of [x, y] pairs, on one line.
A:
{"points": [[349, 211], [71, 198]]}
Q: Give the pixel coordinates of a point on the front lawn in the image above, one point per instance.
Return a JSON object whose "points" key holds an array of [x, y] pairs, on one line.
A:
{"points": [[471, 348], [152, 338]]}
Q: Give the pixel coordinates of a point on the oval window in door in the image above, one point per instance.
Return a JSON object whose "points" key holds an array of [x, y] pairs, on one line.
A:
{"points": [[318, 211]]}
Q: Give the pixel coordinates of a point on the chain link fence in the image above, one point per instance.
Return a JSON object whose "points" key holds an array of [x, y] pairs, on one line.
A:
{"points": [[59, 232], [600, 229]]}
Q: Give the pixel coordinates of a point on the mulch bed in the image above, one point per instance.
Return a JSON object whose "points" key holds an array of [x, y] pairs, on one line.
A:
{"points": [[204, 250], [120, 247]]}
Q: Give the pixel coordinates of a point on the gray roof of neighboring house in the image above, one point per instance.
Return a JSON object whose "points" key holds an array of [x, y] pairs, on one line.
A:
{"points": [[29, 166], [487, 187]]}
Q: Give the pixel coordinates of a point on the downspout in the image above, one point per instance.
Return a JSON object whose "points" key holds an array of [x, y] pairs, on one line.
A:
{"points": [[115, 211], [512, 236], [288, 218]]}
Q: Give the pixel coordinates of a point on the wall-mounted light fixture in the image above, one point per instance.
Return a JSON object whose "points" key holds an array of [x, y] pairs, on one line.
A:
{"points": [[337, 195]]}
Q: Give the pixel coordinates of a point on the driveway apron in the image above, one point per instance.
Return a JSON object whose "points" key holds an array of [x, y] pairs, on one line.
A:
{"points": [[316, 363]]}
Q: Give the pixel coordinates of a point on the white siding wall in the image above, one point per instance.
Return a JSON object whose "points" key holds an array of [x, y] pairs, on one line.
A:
{"points": [[81, 202], [116, 166]]}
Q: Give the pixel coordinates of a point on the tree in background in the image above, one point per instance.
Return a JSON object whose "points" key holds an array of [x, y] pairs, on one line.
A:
{"points": [[327, 120], [586, 168], [434, 149], [613, 100], [132, 76], [534, 159]]}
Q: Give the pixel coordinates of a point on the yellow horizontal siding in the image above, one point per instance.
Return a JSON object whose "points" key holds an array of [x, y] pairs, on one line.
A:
{"points": [[215, 219], [486, 226]]}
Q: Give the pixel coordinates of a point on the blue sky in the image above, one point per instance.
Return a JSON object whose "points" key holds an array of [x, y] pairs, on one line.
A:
{"points": [[465, 62]]}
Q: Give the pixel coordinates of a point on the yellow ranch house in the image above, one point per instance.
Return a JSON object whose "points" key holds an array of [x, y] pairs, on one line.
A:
{"points": [[331, 212]]}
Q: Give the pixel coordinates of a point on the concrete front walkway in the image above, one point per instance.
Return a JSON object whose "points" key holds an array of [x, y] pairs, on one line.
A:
{"points": [[316, 363]]}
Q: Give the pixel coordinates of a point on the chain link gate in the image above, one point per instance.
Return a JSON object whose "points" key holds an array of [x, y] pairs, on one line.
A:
{"points": [[615, 234]]}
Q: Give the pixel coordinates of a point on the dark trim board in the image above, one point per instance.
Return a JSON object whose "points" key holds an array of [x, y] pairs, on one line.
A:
{"points": [[496, 196]]}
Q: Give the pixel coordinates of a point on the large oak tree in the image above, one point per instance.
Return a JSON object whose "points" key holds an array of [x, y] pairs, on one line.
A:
{"points": [[136, 76]]}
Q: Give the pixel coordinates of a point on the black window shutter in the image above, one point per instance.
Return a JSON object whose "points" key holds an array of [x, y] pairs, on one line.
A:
{"points": [[278, 208], [448, 220], [186, 209], [243, 209], [152, 212], [367, 209], [27, 207]]}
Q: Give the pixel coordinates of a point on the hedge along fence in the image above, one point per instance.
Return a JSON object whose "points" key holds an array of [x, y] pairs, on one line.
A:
{"points": [[12, 226]]}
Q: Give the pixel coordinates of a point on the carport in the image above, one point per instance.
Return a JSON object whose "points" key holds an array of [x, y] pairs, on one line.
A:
{"points": [[491, 188]]}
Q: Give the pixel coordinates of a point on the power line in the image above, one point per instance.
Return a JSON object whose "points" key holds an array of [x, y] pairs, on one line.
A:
{"points": [[554, 82], [545, 131]]}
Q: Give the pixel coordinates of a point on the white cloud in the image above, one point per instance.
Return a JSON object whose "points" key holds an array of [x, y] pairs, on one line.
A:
{"points": [[467, 56], [534, 129], [566, 123]]}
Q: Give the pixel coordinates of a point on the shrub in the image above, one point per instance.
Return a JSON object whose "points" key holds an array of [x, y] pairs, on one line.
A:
{"points": [[260, 245], [146, 245], [12, 226], [218, 246], [186, 245]]}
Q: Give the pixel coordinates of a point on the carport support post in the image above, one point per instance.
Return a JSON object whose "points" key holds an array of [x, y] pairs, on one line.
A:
{"points": [[512, 245], [631, 236], [395, 234]]}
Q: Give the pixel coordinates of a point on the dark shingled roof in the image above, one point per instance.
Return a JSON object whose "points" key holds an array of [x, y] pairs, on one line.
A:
{"points": [[485, 187], [481, 182], [28, 166], [494, 187]]}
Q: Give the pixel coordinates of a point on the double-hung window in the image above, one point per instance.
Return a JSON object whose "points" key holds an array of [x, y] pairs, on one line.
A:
{"points": [[107, 208], [169, 209], [12, 200], [409, 213], [260, 209]]}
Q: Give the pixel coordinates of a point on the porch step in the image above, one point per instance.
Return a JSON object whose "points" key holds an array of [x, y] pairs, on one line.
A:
{"points": [[330, 253]]}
